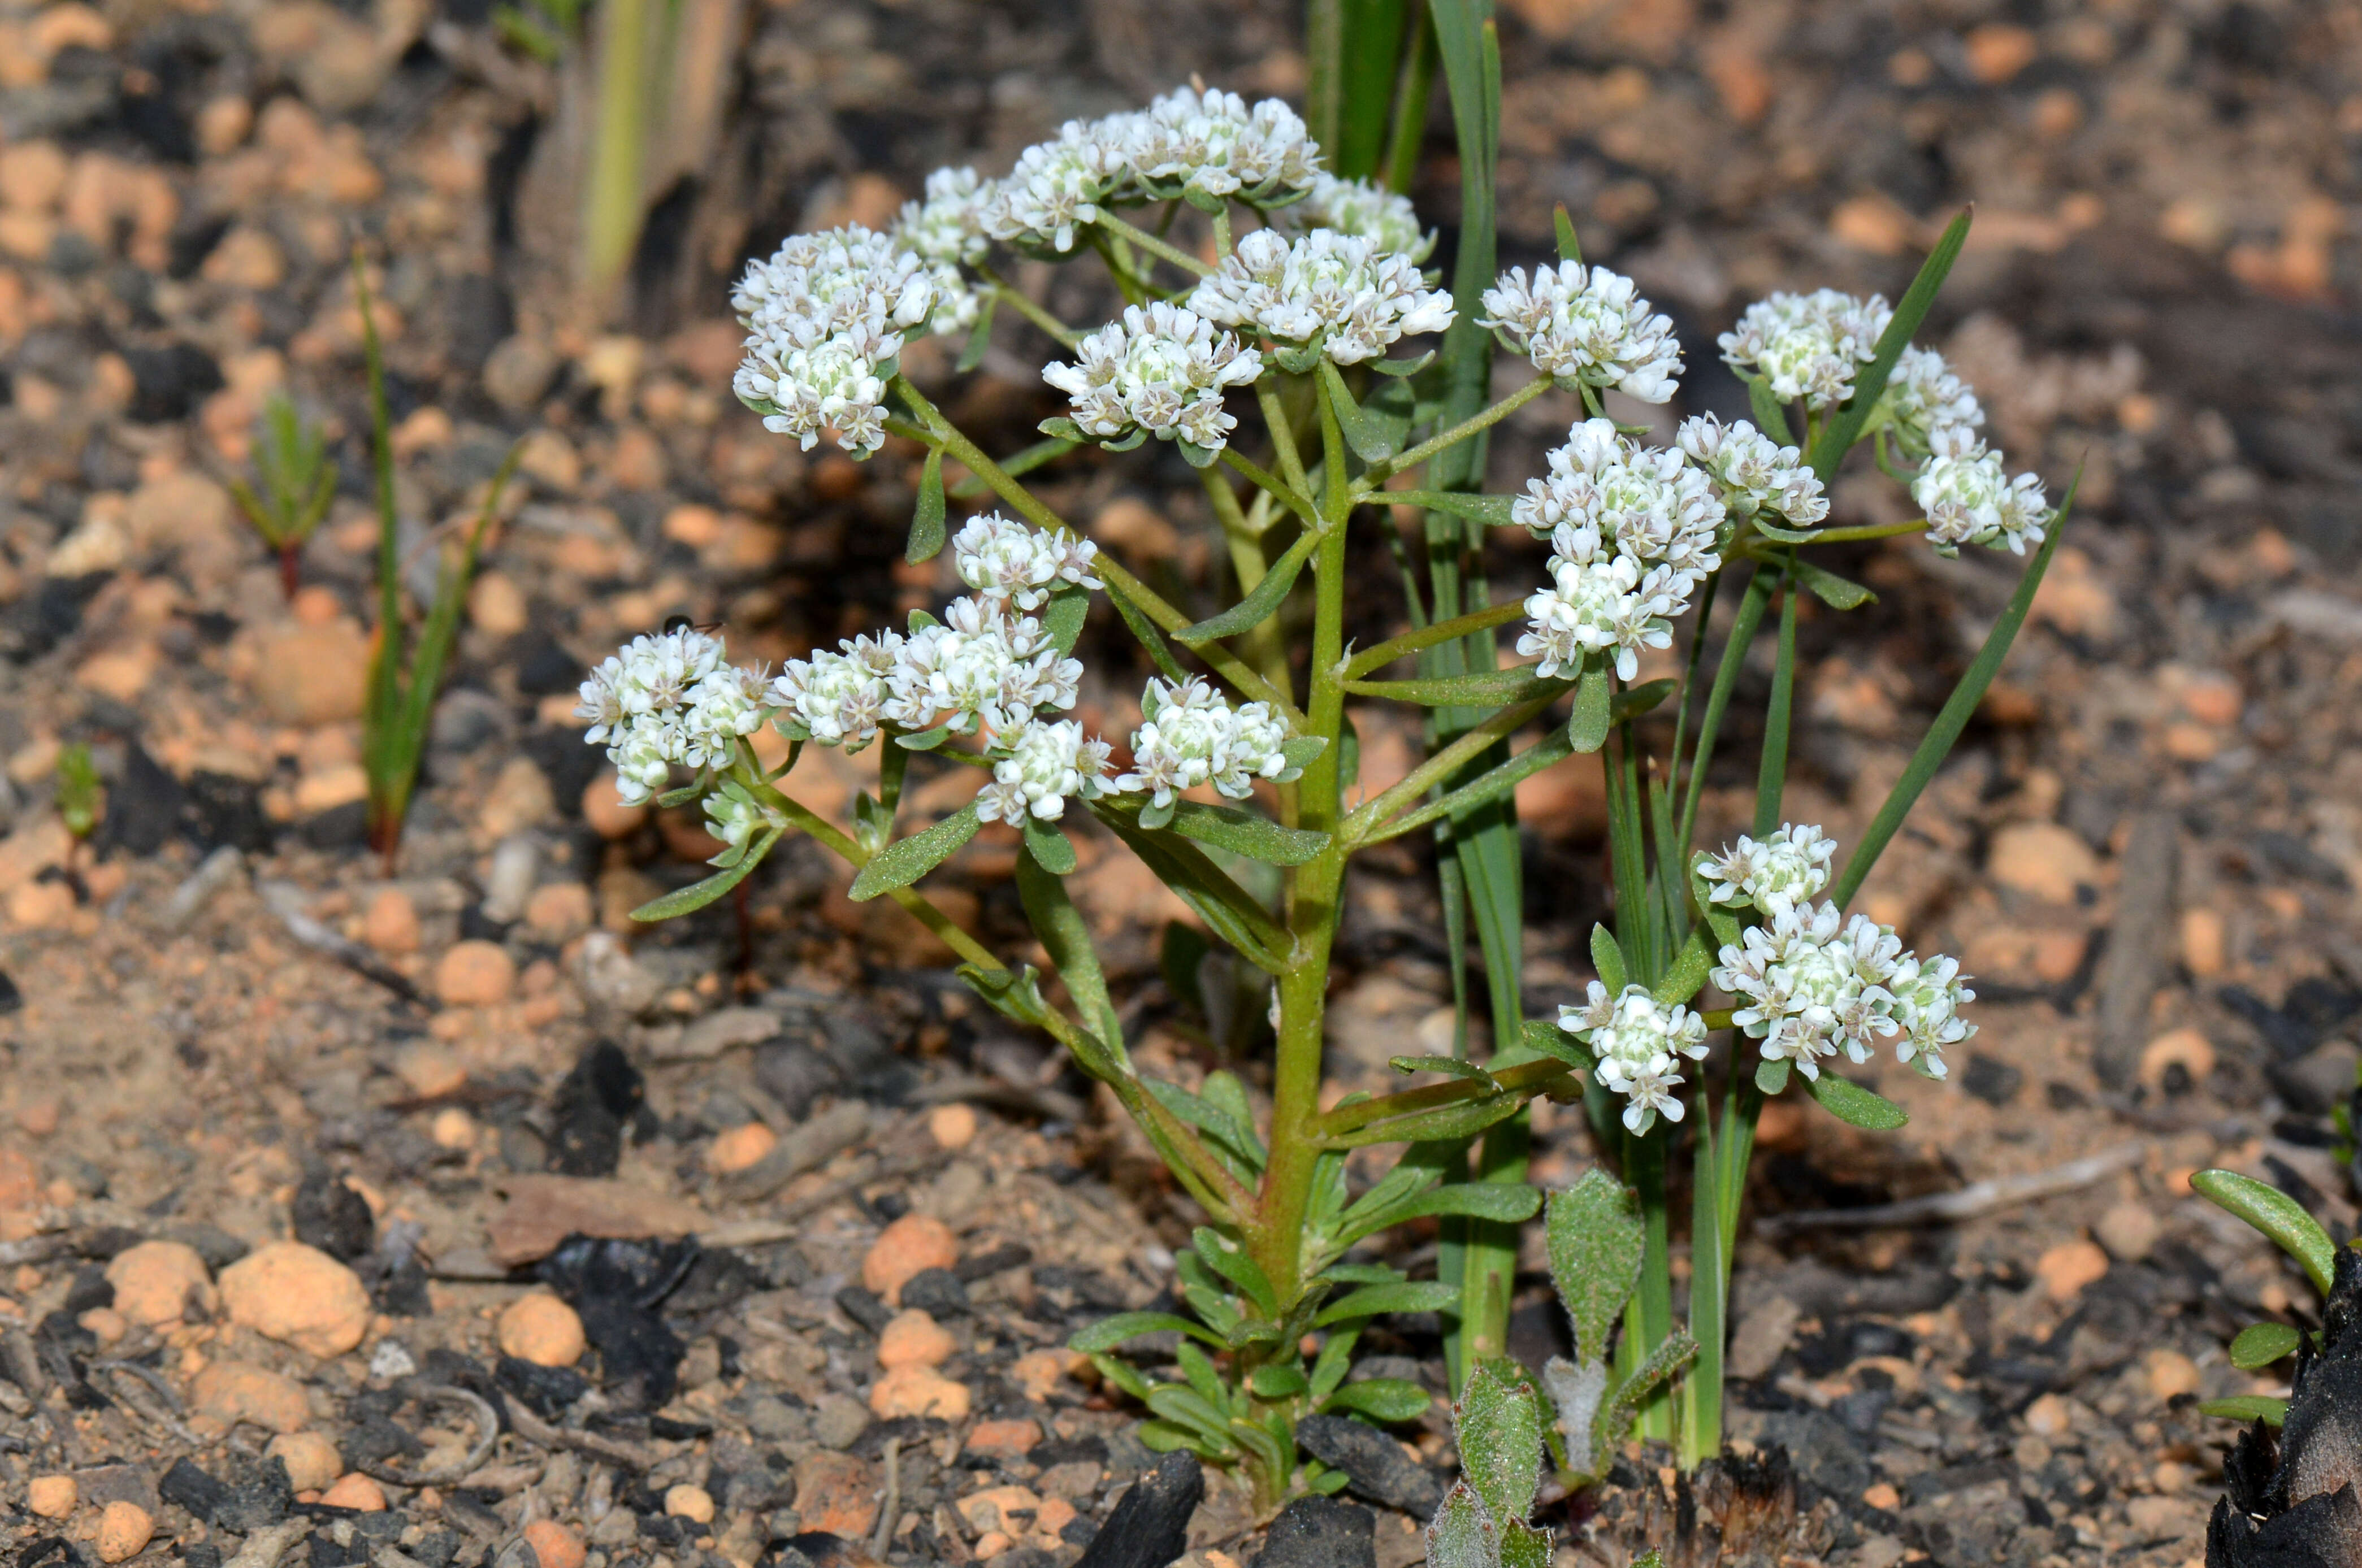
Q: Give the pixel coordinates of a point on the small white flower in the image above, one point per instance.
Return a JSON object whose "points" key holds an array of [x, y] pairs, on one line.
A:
{"points": [[1811, 983], [1969, 498], [1927, 1001], [1922, 397], [839, 698], [1586, 326], [1807, 345], [945, 229], [1753, 472], [1648, 504], [668, 700], [1336, 293], [825, 319], [1061, 185], [1188, 736], [979, 669], [1046, 763], [1163, 368], [1639, 1043], [1211, 143], [1595, 605], [1361, 208], [733, 816], [1004, 559], [1771, 875]]}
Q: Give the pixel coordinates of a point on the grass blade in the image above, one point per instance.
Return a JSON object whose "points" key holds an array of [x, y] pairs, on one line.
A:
{"points": [[1772, 776], [1259, 606], [1843, 431]]}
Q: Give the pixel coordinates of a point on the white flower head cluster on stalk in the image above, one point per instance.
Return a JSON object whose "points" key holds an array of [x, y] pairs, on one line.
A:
{"points": [[1633, 530], [1162, 369], [1003, 559], [1969, 498], [1811, 983], [982, 668], [839, 698], [1755, 473], [1188, 736], [825, 319], [1363, 210], [1060, 185], [1586, 325], [1046, 763], [945, 229], [668, 700], [1324, 293], [1638, 1043], [737, 819], [1771, 875], [1923, 397], [1807, 345]]}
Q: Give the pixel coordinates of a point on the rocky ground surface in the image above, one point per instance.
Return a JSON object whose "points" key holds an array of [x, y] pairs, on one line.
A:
{"points": [[287, 1138]]}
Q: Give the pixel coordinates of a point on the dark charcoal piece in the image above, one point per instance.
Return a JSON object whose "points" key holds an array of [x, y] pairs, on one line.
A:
{"points": [[90, 1290], [718, 1279], [616, 1286], [331, 1216], [592, 1106], [999, 1260], [1825, 1451], [260, 1501], [937, 1291], [187, 1486], [226, 810], [1375, 1465], [1991, 1079], [200, 1554], [152, 804], [402, 1291], [372, 1438], [167, 382], [547, 1391], [864, 1307], [11, 998], [1320, 1533], [1149, 1526], [795, 1074]]}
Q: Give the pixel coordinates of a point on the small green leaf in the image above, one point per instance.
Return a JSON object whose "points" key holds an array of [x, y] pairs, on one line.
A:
{"points": [[1837, 592], [1608, 957], [1064, 616], [1510, 1203], [1491, 511], [1198, 456], [1407, 1296], [905, 860], [1773, 530], [681, 796], [2260, 1344], [1771, 1074], [1058, 427], [1478, 688], [1411, 366], [1228, 1259], [924, 739], [1545, 1039], [1665, 1363], [1595, 708], [1569, 247], [697, 895], [1113, 1330], [1596, 1241], [2248, 1408], [1303, 751], [1464, 1119], [927, 519], [1050, 849], [1153, 815], [1498, 1423], [1381, 1399], [1455, 1066], [1687, 976], [1848, 1101], [1247, 833], [1328, 1482], [2277, 1215], [1525, 1545], [1769, 414], [979, 336], [1462, 1534], [1278, 1382], [1122, 1376], [1259, 606], [1366, 436], [1634, 701]]}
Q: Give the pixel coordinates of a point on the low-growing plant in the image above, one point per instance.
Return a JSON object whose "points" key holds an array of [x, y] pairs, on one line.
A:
{"points": [[405, 670], [1258, 284], [298, 481], [80, 797]]}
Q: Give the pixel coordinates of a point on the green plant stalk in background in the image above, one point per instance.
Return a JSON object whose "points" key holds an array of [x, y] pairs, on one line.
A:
{"points": [[299, 481], [399, 703], [632, 35]]}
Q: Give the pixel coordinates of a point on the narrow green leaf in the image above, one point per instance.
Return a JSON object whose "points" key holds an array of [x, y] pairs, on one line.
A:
{"points": [[1368, 439], [1773, 530], [1839, 434], [1634, 701], [1491, 511], [1122, 1376], [1407, 1296], [1233, 1132], [924, 739], [1544, 1038], [927, 519], [1673, 1353], [1278, 1382], [1595, 708], [1498, 1424], [905, 860], [1050, 849], [1401, 368], [1569, 247], [1595, 1241], [1146, 633], [1065, 936], [1504, 1202], [1228, 910], [1769, 414], [1259, 606], [1685, 977], [697, 895], [1837, 592], [1478, 688], [1608, 957], [1849, 1103], [979, 336], [1247, 833], [2260, 1344], [1455, 1067], [2248, 1408], [1110, 1331], [1389, 1400], [2279, 1216], [1954, 717], [1229, 1259], [1335, 1359], [1064, 616], [1464, 1119]]}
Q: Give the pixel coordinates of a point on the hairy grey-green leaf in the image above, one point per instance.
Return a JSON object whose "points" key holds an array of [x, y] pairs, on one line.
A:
{"points": [[1578, 1392], [1524, 1545], [1596, 1239], [1498, 1422], [1462, 1534], [1665, 1363]]}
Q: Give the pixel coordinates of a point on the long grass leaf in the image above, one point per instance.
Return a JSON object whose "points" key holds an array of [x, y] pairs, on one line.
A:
{"points": [[1839, 434], [1771, 773]]}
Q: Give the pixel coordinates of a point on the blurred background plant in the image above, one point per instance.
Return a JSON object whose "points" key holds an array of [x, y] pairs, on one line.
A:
{"points": [[298, 482]]}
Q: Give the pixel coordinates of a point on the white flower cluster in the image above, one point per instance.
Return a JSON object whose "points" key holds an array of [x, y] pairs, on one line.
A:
{"points": [[1807, 345], [825, 320], [1754, 472], [735, 818], [1359, 208], [1327, 293], [1046, 763], [1922, 397], [1969, 498], [1002, 558], [1771, 875], [981, 669], [1208, 144], [839, 698], [1586, 326], [1633, 530], [945, 230], [665, 699], [1811, 983], [1188, 736], [1162, 369], [1639, 1043]]}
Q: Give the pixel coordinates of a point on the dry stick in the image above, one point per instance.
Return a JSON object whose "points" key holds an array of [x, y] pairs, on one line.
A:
{"points": [[1966, 1202], [891, 1508], [2137, 945], [534, 1430]]}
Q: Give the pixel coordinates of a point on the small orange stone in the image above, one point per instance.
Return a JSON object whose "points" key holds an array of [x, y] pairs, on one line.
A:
{"points": [[554, 1545], [919, 1391], [952, 1126], [357, 1492], [52, 1497], [740, 1148], [543, 1329], [914, 1339], [1010, 1438], [125, 1530], [475, 974], [606, 812], [910, 1246], [2066, 1269]]}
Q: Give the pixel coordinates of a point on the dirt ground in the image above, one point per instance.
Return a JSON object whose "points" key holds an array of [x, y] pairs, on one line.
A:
{"points": [[225, 1024]]}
